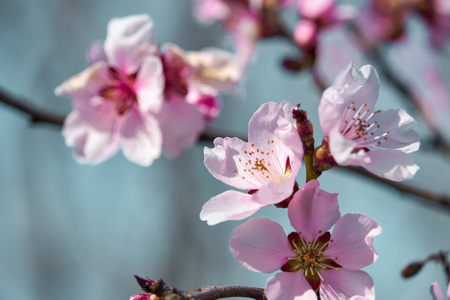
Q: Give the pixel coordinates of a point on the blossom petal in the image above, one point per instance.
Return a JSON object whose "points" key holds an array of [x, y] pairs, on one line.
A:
{"points": [[352, 241], [272, 193], [315, 9], [351, 87], [274, 121], [229, 205], [361, 86], [208, 105], [181, 124], [207, 10], [140, 137], [84, 84], [129, 41], [344, 284], [436, 292], [289, 286], [92, 144], [216, 70], [313, 211], [260, 245], [246, 33], [221, 162], [369, 82], [97, 53], [391, 164], [305, 34], [400, 135], [341, 149], [331, 109], [150, 85]]}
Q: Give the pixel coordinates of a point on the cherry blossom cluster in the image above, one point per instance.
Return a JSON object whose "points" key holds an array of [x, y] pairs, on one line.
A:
{"points": [[313, 261], [141, 98], [381, 21]]}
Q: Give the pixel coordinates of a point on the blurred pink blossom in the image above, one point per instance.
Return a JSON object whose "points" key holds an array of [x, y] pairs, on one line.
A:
{"points": [[243, 19], [117, 100], [194, 80], [141, 100], [316, 16], [385, 20], [436, 292], [266, 165], [358, 135], [310, 257]]}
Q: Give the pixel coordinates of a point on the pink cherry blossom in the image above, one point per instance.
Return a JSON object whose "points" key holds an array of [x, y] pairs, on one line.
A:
{"points": [[117, 98], [358, 135], [316, 16], [266, 165], [436, 292], [310, 258], [193, 80]]}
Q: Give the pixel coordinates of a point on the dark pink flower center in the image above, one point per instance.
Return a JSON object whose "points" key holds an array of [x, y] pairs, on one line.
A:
{"points": [[310, 257], [176, 70], [120, 90]]}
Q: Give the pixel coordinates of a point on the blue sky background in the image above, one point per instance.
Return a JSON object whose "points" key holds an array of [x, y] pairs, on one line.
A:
{"points": [[70, 231]]}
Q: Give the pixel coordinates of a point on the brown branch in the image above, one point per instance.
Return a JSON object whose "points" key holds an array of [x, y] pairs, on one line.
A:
{"points": [[165, 292], [423, 194], [415, 267], [35, 115], [219, 292], [38, 116]]}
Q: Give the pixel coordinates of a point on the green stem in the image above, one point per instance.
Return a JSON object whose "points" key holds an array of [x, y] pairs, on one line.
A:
{"points": [[310, 173]]}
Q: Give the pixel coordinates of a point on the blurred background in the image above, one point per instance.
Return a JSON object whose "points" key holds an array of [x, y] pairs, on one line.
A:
{"points": [[71, 231]]}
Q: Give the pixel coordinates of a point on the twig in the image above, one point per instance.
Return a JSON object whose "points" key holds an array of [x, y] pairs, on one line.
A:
{"points": [[218, 292], [35, 115], [38, 116], [415, 267], [404, 188], [165, 292]]}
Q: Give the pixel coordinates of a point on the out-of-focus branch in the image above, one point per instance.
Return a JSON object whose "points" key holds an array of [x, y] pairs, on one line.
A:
{"points": [[36, 115], [404, 188], [374, 53], [415, 267], [39, 116]]}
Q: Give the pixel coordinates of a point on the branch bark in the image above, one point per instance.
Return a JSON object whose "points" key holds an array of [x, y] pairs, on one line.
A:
{"points": [[36, 115], [165, 292]]}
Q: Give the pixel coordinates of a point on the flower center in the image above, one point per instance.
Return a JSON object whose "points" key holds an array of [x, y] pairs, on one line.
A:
{"points": [[120, 90], [310, 257], [261, 165], [359, 125], [176, 70]]}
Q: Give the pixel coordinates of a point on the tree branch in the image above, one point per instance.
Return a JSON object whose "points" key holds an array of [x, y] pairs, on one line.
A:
{"points": [[38, 116], [165, 292], [218, 292], [423, 194]]}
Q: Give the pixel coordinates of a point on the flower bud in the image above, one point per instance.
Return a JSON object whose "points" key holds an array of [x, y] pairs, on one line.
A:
{"points": [[145, 284], [412, 269]]}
